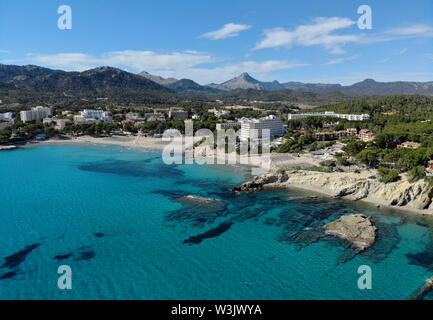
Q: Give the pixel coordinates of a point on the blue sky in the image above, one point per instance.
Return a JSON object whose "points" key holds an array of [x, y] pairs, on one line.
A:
{"points": [[212, 41]]}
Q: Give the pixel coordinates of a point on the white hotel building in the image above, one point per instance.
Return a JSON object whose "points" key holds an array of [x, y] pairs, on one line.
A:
{"points": [[90, 116], [350, 117], [96, 114], [35, 114], [6, 115], [253, 128]]}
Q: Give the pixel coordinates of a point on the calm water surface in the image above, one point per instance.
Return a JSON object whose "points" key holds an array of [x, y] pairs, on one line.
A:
{"points": [[117, 217]]}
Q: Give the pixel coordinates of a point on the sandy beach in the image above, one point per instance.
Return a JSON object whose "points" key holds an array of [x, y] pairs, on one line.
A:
{"points": [[123, 141], [278, 161]]}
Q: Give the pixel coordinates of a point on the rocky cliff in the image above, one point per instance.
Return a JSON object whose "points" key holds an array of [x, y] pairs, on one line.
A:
{"points": [[354, 186]]}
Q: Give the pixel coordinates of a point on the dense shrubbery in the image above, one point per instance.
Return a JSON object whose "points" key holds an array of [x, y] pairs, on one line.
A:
{"points": [[388, 175], [296, 143], [417, 173], [343, 161], [91, 129], [354, 147], [4, 135]]}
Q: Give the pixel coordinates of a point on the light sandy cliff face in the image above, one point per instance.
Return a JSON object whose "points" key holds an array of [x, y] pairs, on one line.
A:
{"points": [[350, 185]]}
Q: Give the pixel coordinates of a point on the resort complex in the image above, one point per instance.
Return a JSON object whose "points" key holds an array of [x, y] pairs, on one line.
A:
{"points": [[331, 114]]}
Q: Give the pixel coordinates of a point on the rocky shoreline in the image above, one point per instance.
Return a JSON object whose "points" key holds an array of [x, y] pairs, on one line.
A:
{"points": [[415, 197]]}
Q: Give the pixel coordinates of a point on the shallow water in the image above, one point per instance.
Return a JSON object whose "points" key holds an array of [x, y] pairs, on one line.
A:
{"points": [[116, 217]]}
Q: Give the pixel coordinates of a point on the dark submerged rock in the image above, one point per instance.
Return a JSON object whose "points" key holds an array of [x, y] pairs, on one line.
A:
{"points": [[61, 257], [85, 255], [212, 233], [8, 275], [17, 258]]}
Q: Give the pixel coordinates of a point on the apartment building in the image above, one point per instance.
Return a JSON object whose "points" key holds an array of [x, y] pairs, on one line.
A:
{"points": [[227, 125], [335, 135], [59, 124], [132, 116], [409, 145], [253, 128], [35, 114], [350, 117], [366, 135], [219, 113], [178, 114], [154, 117]]}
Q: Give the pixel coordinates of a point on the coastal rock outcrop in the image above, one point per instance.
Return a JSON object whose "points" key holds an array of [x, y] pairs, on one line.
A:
{"points": [[364, 185], [424, 201], [410, 194], [358, 190], [357, 229], [259, 181]]}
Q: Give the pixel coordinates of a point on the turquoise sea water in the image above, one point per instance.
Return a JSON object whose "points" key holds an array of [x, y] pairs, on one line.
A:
{"points": [[117, 218]]}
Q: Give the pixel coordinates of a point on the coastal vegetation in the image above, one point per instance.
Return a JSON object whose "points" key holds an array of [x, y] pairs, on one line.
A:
{"points": [[394, 120]]}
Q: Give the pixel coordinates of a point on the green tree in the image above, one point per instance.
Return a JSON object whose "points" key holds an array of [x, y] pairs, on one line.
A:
{"points": [[388, 175], [370, 156], [354, 147], [417, 173]]}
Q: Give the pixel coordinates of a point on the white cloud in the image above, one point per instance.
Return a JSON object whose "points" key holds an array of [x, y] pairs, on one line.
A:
{"points": [[65, 61], [429, 56], [130, 59], [319, 32], [322, 32], [226, 31], [4, 51], [401, 52], [186, 64], [417, 30], [409, 31], [383, 60], [343, 60]]}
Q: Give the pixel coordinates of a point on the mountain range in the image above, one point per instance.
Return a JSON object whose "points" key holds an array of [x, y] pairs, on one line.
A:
{"points": [[245, 81], [98, 83], [184, 86], [99, 80], [33, 84]]}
